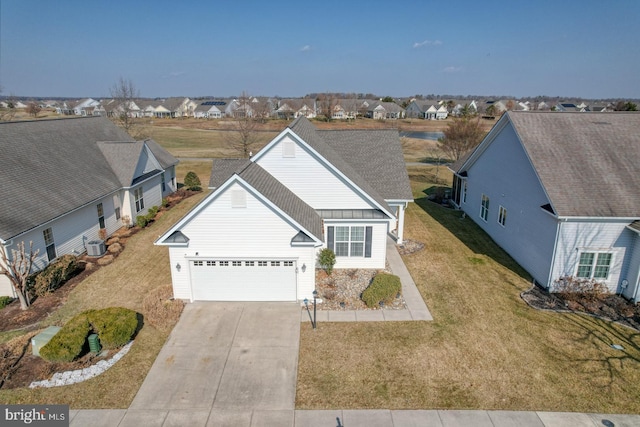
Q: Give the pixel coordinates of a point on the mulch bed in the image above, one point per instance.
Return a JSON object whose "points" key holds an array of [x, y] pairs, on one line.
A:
{"points": [[610, 307]]}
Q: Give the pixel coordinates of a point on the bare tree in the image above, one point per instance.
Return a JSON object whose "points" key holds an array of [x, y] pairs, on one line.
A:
{"points": [[33, 109], [124, 93], [18, 269], [245, 125], [461, 136], [326, 103]]}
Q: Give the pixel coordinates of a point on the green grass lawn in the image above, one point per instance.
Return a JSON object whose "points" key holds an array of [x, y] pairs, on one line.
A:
{"points": [[485, 349]]}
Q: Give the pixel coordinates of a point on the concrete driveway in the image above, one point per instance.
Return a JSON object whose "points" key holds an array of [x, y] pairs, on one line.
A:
{"points": [[226, 358]]}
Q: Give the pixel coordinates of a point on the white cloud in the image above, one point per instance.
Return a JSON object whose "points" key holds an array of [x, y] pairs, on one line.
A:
{"points": [[451, 69], [427, 43], [305, 48]]}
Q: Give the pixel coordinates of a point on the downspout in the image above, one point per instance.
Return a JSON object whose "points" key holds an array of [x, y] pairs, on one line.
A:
{"points": [[553, 255]]}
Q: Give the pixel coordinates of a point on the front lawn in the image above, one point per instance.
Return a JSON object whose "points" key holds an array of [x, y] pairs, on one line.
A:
{"points": [[137, 271], [486, 348]]}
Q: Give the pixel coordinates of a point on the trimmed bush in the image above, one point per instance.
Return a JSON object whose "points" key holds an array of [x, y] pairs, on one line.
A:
{"points": [[383, 287], [142, 221], [67, 344], [115, 326], [326, 260], [4, 301], [192, 182], [55, 274]]}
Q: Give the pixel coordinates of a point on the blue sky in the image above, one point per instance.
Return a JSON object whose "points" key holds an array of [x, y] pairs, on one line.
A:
{"points": [[567, 48]]}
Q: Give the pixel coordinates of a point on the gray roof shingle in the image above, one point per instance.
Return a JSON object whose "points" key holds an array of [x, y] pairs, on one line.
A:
{"points": [[50, 167], [588, 162]]}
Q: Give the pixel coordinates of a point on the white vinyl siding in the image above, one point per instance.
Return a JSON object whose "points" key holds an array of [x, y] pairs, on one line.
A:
{"points": [[504, 174], [309, 179], [577, 238], [220, 232]]}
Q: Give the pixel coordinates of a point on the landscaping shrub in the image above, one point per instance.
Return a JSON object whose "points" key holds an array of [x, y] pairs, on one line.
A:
{"points": [[4, 301], [55, 274], [192, 182], [589, 289], [326, 260], [67, 344], [383, 287], [115, 326], [141, 221]]}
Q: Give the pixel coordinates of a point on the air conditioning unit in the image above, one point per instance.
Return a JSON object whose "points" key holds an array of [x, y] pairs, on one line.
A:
{"points": [[95, 248]]}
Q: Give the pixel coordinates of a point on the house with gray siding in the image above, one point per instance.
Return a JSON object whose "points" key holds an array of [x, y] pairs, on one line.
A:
{"points": [[559, 193], [257, 235], [65, 180]]}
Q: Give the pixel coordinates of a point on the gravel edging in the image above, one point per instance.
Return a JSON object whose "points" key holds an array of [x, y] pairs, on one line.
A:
{"points": [[79, 375]]}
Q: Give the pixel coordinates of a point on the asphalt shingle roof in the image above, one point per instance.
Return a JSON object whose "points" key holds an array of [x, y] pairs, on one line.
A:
{"points": [[587, 162], [50, 167]]}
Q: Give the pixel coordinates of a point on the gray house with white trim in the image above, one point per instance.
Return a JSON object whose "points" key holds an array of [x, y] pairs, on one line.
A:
{"points": [[65, 180], [559, 193]]}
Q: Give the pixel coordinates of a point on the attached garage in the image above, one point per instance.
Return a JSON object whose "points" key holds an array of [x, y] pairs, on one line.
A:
{"points": [[243, 280]]}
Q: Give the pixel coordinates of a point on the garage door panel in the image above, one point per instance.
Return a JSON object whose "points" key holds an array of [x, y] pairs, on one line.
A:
{"points": [[220, 280]]}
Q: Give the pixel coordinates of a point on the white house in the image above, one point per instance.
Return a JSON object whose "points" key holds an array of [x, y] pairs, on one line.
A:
{"points": [[256, 236], [81, 108], [559, 193], [65, 180]]}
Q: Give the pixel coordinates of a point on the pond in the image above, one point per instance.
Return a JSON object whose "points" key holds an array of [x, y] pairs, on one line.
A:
{"points": [[422, 135]]}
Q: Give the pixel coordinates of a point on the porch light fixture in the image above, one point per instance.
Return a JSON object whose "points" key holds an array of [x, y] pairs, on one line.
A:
{"points": [[178, 267], [304, 267]]}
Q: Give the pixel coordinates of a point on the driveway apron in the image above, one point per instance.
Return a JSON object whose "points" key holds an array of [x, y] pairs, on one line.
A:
{"points": [[227, 356]]}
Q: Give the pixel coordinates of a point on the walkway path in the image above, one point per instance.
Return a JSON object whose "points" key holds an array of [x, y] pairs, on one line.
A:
{"points": [[416, 308]]}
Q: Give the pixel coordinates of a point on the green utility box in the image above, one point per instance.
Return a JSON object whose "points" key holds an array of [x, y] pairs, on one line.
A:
{"points": [[42, 339], [94, 343]]}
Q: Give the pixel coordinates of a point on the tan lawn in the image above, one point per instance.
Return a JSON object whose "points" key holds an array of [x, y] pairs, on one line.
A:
{"points": [[485, 349]]}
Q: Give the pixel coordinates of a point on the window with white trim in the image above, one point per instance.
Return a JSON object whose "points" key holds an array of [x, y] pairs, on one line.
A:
{"points": [[223, 263], [484, 207], [49, 244], [236, 263], [211, 263], [249, 264], [594, 265], [100, 209], [275, 263], [197, 263], [502, 216], [349, 241], [139, 199], [262, 263]]}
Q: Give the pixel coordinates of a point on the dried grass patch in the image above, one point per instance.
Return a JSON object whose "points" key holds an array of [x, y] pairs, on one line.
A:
{"points": [[160, 309]]}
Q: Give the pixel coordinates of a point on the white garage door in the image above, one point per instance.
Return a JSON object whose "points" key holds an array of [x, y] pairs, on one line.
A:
{"points": [[250, 280]]}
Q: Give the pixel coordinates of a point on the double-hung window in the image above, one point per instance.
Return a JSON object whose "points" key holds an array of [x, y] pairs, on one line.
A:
{"points": [[502, 216], [49, 244], [101, 215], [350, 241], [594, 265], [139, 198], [484, 207]]}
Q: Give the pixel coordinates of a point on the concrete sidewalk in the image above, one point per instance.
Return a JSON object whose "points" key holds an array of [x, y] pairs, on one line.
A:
{"points": [[343, 418], [416, 307]]}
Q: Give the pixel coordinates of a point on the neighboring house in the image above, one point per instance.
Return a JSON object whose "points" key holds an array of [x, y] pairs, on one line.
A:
{"points": [[294, 108], [65, 180], [210, 109], [559, 193], [345, 109], [84, 107], [418, 108], [175, 108], [385, 110], [256, 236]]}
